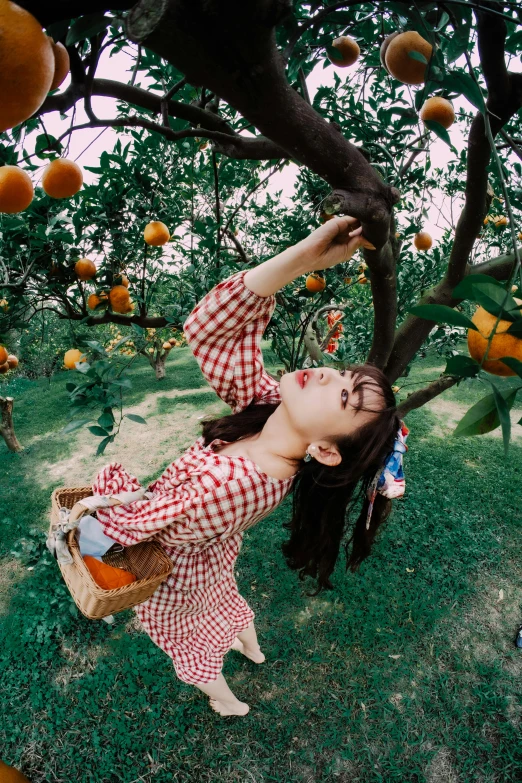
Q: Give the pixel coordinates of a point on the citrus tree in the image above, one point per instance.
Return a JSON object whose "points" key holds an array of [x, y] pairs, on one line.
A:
{"points": [[234, 76]]}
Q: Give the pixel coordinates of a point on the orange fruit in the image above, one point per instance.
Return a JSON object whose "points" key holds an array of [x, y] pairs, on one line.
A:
{"points": [[204, 145], [124, 280], [26, 65], [166, 346], [439, 110], [347, 280], [423, 240], [4, 304], [12, 361], [315, 283], [72, 356], [384, 47], [62, 178], [173, 341], [156, 233], [398, 62], [94, 300], [16, 188], [501, 345], [486, 220], [520, 235], [4, 368], [348, 48], [501, 220], [61, 64], [106, 576], [3, 355], [85, 269], [362, 279], [395, 389], [119, 299]]}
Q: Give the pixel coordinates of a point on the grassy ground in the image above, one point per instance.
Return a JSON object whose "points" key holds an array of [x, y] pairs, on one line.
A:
{"points": [[405, 672]]}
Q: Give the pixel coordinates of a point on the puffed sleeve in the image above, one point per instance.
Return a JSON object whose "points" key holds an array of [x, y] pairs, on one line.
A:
{"points": [[135, 522], [224, 332]]}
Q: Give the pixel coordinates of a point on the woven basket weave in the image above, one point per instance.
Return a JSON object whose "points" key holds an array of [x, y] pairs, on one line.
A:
{"points": [[148, 561]]}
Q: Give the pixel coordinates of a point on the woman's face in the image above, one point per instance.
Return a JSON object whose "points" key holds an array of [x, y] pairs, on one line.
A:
{"points": [[325, 407]]}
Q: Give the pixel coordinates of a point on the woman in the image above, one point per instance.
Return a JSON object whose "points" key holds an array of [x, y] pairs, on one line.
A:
{"points": [[246, 463]]}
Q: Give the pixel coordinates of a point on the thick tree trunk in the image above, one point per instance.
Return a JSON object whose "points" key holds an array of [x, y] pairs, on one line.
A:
{"points": [[7, 426], [159, 367]]}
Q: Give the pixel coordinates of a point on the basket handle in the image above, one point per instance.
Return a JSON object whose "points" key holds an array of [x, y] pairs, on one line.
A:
{"points": [[70, 519]]}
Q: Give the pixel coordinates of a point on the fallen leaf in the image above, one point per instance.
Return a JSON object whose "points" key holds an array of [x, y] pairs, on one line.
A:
{"points": [[500, 595], [410, 570], [395, 656]]}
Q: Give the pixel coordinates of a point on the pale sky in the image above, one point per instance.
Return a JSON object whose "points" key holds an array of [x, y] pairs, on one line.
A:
{"points": [[119, 68]]}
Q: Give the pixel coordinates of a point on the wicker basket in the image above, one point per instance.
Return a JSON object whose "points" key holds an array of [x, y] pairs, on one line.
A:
{"points": [[148, 561]]}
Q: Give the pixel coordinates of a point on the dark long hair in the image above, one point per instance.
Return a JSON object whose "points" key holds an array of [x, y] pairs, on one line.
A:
{"points": [[324, 496]]}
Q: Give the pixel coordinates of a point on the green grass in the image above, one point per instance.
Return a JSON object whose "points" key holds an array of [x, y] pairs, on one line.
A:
{"points": [[84, 701]]}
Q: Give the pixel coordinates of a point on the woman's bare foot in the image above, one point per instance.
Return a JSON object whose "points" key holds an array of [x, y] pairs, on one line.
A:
{"points": [[237, 708], [256, 656]]}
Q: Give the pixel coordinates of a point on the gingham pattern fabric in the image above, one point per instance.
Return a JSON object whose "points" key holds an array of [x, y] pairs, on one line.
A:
{"points": [[204, 501]]}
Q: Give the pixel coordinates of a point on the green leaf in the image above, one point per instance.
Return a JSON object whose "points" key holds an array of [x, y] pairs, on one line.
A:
{"points": [[417, 56], [124, 382], [464, 290], [440, 131], [49, 143], [491, 298], [461, 365], [465, 85], [86, 27], [103, 445], [106, 420], [503, 415], [98, 431], [334, 53], [135, 417], [442, 314], [515, 329], [513, 363], [483, 416], [74, 425]]}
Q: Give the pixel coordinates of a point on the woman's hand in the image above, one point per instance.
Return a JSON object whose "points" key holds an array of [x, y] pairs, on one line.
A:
{"points": [[333, 242]]}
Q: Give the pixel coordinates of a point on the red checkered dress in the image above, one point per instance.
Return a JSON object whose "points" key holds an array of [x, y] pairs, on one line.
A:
{"points": [[204, 501]]}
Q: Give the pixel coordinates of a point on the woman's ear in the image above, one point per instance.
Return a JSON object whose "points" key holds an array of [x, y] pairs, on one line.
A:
{"points": [[325, 453]]}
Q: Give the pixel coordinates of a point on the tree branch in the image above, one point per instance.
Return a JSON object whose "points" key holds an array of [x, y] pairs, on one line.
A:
{"points": [[231, 49], [420, 397]]}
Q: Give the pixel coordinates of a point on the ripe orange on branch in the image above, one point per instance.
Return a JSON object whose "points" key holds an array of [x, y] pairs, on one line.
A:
{"points": [[61, 64], [16, 189], [398, 61], [119, 299], [502, 344], [12, 361], [62, 178], [3, 355], [26, 65], [94, 300], [438, 110], [166, 346], [85, 269], [423, 240], [72, 356], [315, 283], [156, 233], [384, 47], [349, 50]]}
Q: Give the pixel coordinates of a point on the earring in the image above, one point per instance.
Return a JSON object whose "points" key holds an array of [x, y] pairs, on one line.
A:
{"points": [[308, 456]]}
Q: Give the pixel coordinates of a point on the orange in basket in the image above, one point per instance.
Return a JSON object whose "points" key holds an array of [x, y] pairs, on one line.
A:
{"points": [[107, 576]]}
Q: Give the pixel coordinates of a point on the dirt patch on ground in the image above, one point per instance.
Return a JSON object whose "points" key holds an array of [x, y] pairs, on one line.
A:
{"points": [[450, 413], [440, 768], [143, 449], [11, 572]]}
